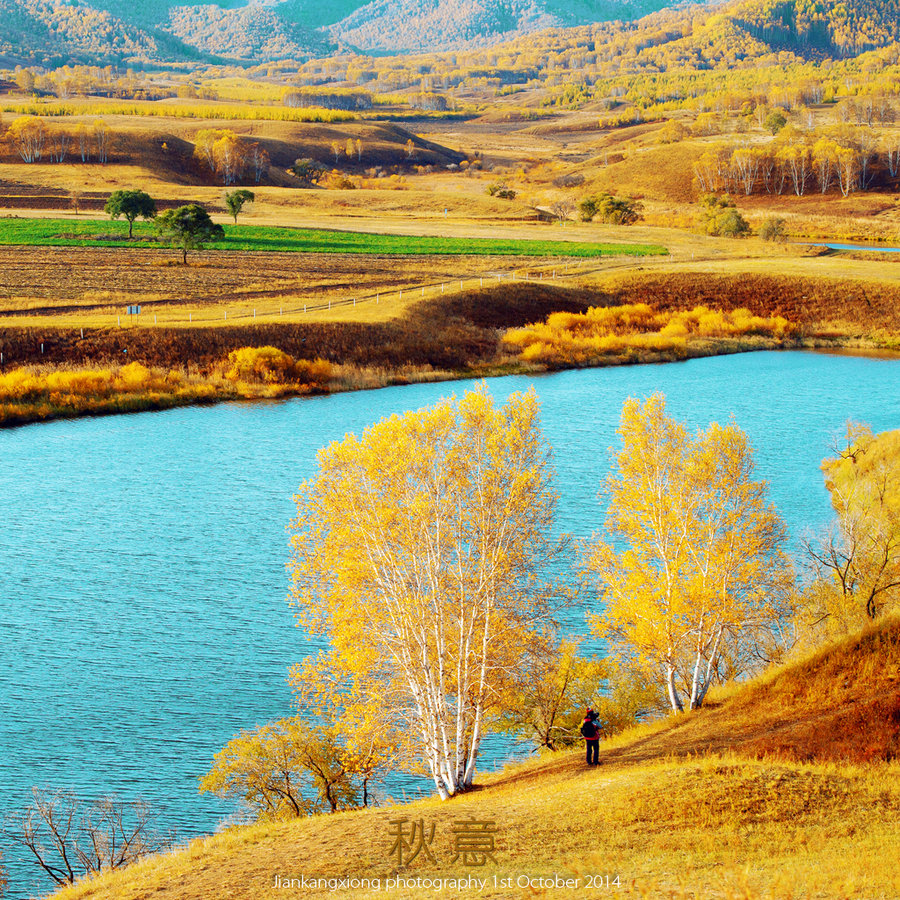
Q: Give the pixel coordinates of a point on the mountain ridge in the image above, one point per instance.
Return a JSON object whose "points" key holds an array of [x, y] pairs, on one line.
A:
{"points": [[102, 31], [47, 33]]}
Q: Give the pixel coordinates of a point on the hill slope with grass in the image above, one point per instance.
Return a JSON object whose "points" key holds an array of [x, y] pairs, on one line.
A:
{"points": [[711, 804]]}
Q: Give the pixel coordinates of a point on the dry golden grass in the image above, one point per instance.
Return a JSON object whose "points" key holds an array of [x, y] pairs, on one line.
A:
{"points": [[672, 811], [91, 287]]}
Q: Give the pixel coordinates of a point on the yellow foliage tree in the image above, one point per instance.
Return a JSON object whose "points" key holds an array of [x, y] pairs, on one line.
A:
{"points": [[28, 135], [697, 571], [549, 693], [229, 158], [418, 551], [860, 558], [284, 770]]}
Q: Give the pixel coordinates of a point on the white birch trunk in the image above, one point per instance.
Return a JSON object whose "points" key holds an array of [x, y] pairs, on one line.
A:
{"points": [[674, 699]]}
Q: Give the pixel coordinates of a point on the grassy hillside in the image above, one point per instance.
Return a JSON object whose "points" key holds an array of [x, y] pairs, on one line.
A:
{"points": [[712, 804]]}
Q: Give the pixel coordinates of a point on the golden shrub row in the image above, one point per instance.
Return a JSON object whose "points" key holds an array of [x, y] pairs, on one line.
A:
{"points": [[28, 394], [582, 338], [269, 365], [26, 384]]}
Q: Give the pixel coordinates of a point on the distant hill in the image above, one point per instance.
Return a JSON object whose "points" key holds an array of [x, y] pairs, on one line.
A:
{"points": [[429, 25], [692, 32], [42, 31], [255, 33], [820, 26], [101, 31]]}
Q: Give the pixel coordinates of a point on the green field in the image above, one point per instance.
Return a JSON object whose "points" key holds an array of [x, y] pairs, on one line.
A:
{"points": [[104, 233]]}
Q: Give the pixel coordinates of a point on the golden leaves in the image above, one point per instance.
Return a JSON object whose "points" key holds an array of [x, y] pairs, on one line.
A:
{"points": [[699, 554]]}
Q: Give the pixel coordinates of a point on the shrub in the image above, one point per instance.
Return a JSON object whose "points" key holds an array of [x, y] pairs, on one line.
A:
{"points": [[672, 132], [772, 229], [720, 217], [309, 171], [269, 365], [601, 332], [502, 190], [610, 210]]}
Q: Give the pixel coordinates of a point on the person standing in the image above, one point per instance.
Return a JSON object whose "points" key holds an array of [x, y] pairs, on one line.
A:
{"points": [[591, 733]]}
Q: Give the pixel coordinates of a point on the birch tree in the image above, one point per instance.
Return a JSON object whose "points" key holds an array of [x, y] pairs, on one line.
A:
{"points": [[418, 549], [697, 569]]}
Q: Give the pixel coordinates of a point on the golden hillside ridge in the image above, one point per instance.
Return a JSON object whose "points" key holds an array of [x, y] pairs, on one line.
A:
{"points": [[786, 786]]}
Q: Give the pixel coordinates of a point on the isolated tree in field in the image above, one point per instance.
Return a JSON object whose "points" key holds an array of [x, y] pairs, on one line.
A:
{"points": [[694, 569], [419, 550], [188, 228], [563, 209], [858, 562], [130, 205], [237, 200], [70, 839], [284, 770]]}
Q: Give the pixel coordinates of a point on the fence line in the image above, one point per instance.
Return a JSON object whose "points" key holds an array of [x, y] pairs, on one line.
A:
{"points": [[567, 269]]}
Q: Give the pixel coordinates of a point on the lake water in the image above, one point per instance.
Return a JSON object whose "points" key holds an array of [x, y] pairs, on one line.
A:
{"points": [[868, 248], [143, 619]]}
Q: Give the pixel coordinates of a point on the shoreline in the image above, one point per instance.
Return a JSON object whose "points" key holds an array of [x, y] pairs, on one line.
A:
{"points": [[354, 379]]}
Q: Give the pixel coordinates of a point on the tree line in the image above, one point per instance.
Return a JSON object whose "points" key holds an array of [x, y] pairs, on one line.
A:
{"points": [[839, 158], [34, 139]]}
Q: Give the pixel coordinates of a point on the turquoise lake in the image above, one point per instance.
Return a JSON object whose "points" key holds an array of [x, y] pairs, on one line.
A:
{"points": [[143, 619]]}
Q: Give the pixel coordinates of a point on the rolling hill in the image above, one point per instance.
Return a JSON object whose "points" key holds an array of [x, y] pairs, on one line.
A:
{"points": [[786, 787]]}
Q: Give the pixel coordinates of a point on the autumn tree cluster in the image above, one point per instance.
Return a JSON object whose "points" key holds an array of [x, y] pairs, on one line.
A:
{"points": [[695, 578], [229, 156], [34, 139], [843, 158], [420, 550]]}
